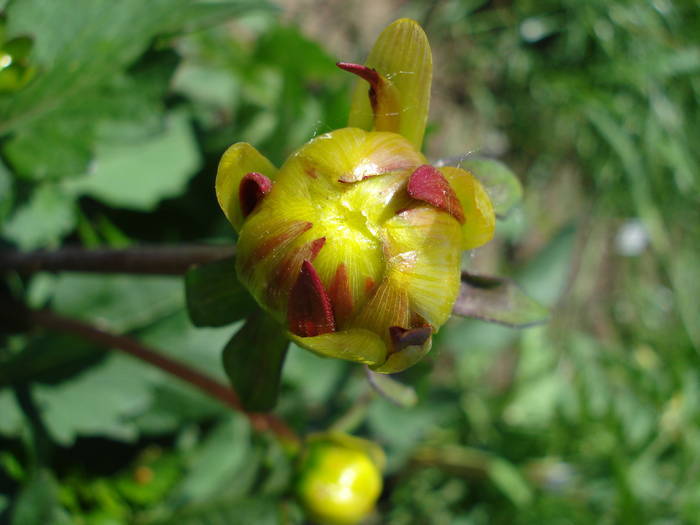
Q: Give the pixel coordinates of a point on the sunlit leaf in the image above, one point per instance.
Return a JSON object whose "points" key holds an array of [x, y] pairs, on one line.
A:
{"points": [[498, 300], [501, 184]]}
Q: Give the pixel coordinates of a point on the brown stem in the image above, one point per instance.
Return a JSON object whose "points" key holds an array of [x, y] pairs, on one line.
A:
{"points": [[154, 260], [260, 422]]}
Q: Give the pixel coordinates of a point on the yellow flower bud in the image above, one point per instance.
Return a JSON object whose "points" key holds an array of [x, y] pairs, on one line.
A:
{"points": [[355, 244], [339, 480]]}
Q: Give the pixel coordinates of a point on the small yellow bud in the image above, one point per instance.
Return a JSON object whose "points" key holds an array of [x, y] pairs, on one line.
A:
{"points": [[339, 481]]}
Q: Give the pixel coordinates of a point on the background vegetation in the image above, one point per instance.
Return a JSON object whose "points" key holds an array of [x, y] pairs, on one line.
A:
{"points": [[112, 118]]}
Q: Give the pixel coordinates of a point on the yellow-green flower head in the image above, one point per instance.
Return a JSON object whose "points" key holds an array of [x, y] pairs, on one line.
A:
{"points": [[339, 478], [355, 243]]}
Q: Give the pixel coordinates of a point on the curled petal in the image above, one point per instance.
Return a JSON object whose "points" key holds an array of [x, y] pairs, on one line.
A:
{"points": [[427, 184], [239, 159], [404, 358], [402, 55], [383, 97], [402, 338], [355, 344], [480, 219], [254, 186]]}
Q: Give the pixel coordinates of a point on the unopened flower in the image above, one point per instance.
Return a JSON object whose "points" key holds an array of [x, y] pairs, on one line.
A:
{"points": [[339, 478], [355, 243]]}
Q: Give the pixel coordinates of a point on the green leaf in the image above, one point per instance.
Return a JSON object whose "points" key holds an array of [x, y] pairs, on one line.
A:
{"points": [[253, 361], [392, 390], [37, 504], [498, 300], [6, 193], [140, 174], [215, 296], [48, 359], [78, 44], [217, 464], [117, 302], [202, 14], [12, 420], [498, 180], [231, 512], [510, 481], [43, 220], [98, 402]]}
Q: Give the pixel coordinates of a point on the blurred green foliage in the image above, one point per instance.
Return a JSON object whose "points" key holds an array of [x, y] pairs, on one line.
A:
{"points": [[115, 139]]}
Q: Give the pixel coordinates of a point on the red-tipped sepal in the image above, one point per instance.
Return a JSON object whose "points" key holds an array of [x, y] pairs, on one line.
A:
{"points": [[383, 97], [309, 312], [253, 187], [402, 338], [428, 184]]}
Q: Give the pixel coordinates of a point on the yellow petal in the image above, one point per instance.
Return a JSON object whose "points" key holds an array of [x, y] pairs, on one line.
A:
{"points": [[480, 219], [387, 306], [406, 358], [239, 159], [423, 258], [361, 346], [402, 55]]}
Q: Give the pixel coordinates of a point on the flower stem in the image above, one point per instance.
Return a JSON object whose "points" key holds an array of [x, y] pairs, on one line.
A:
{"points": [[260, 422], [154, 260]]}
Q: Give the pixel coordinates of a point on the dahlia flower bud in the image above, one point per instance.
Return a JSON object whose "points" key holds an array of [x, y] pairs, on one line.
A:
{"points": [[339, 478], [354, 245]]}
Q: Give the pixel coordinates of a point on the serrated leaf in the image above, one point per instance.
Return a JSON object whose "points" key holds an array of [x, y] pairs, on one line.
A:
{"points": [[99, 402], [214, 466], [503, 187], [392, 390], [253, 361], [402, 54], [498, 300], [140, 174], [202, 14], [43, 220], [117, 302], [215, 296], [66, 36], [48, 359]]}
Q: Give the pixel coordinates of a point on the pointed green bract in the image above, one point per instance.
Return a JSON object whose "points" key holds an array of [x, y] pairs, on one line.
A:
{"points": [[239, 159], [214, 296], [498, 300], [391, 389], [501, 184], [253, 361], [402, 55]]}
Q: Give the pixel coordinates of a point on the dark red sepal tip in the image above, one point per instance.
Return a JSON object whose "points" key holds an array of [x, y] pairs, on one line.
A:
{"points": [[253, 187], [405, 337], [427, 184], [309, 311], [368, 73]]}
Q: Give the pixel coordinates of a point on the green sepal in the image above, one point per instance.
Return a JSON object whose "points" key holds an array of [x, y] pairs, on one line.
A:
{"points": [[253, 361], [501, 184], [214, 296], [392, 390], [498, 300]]}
